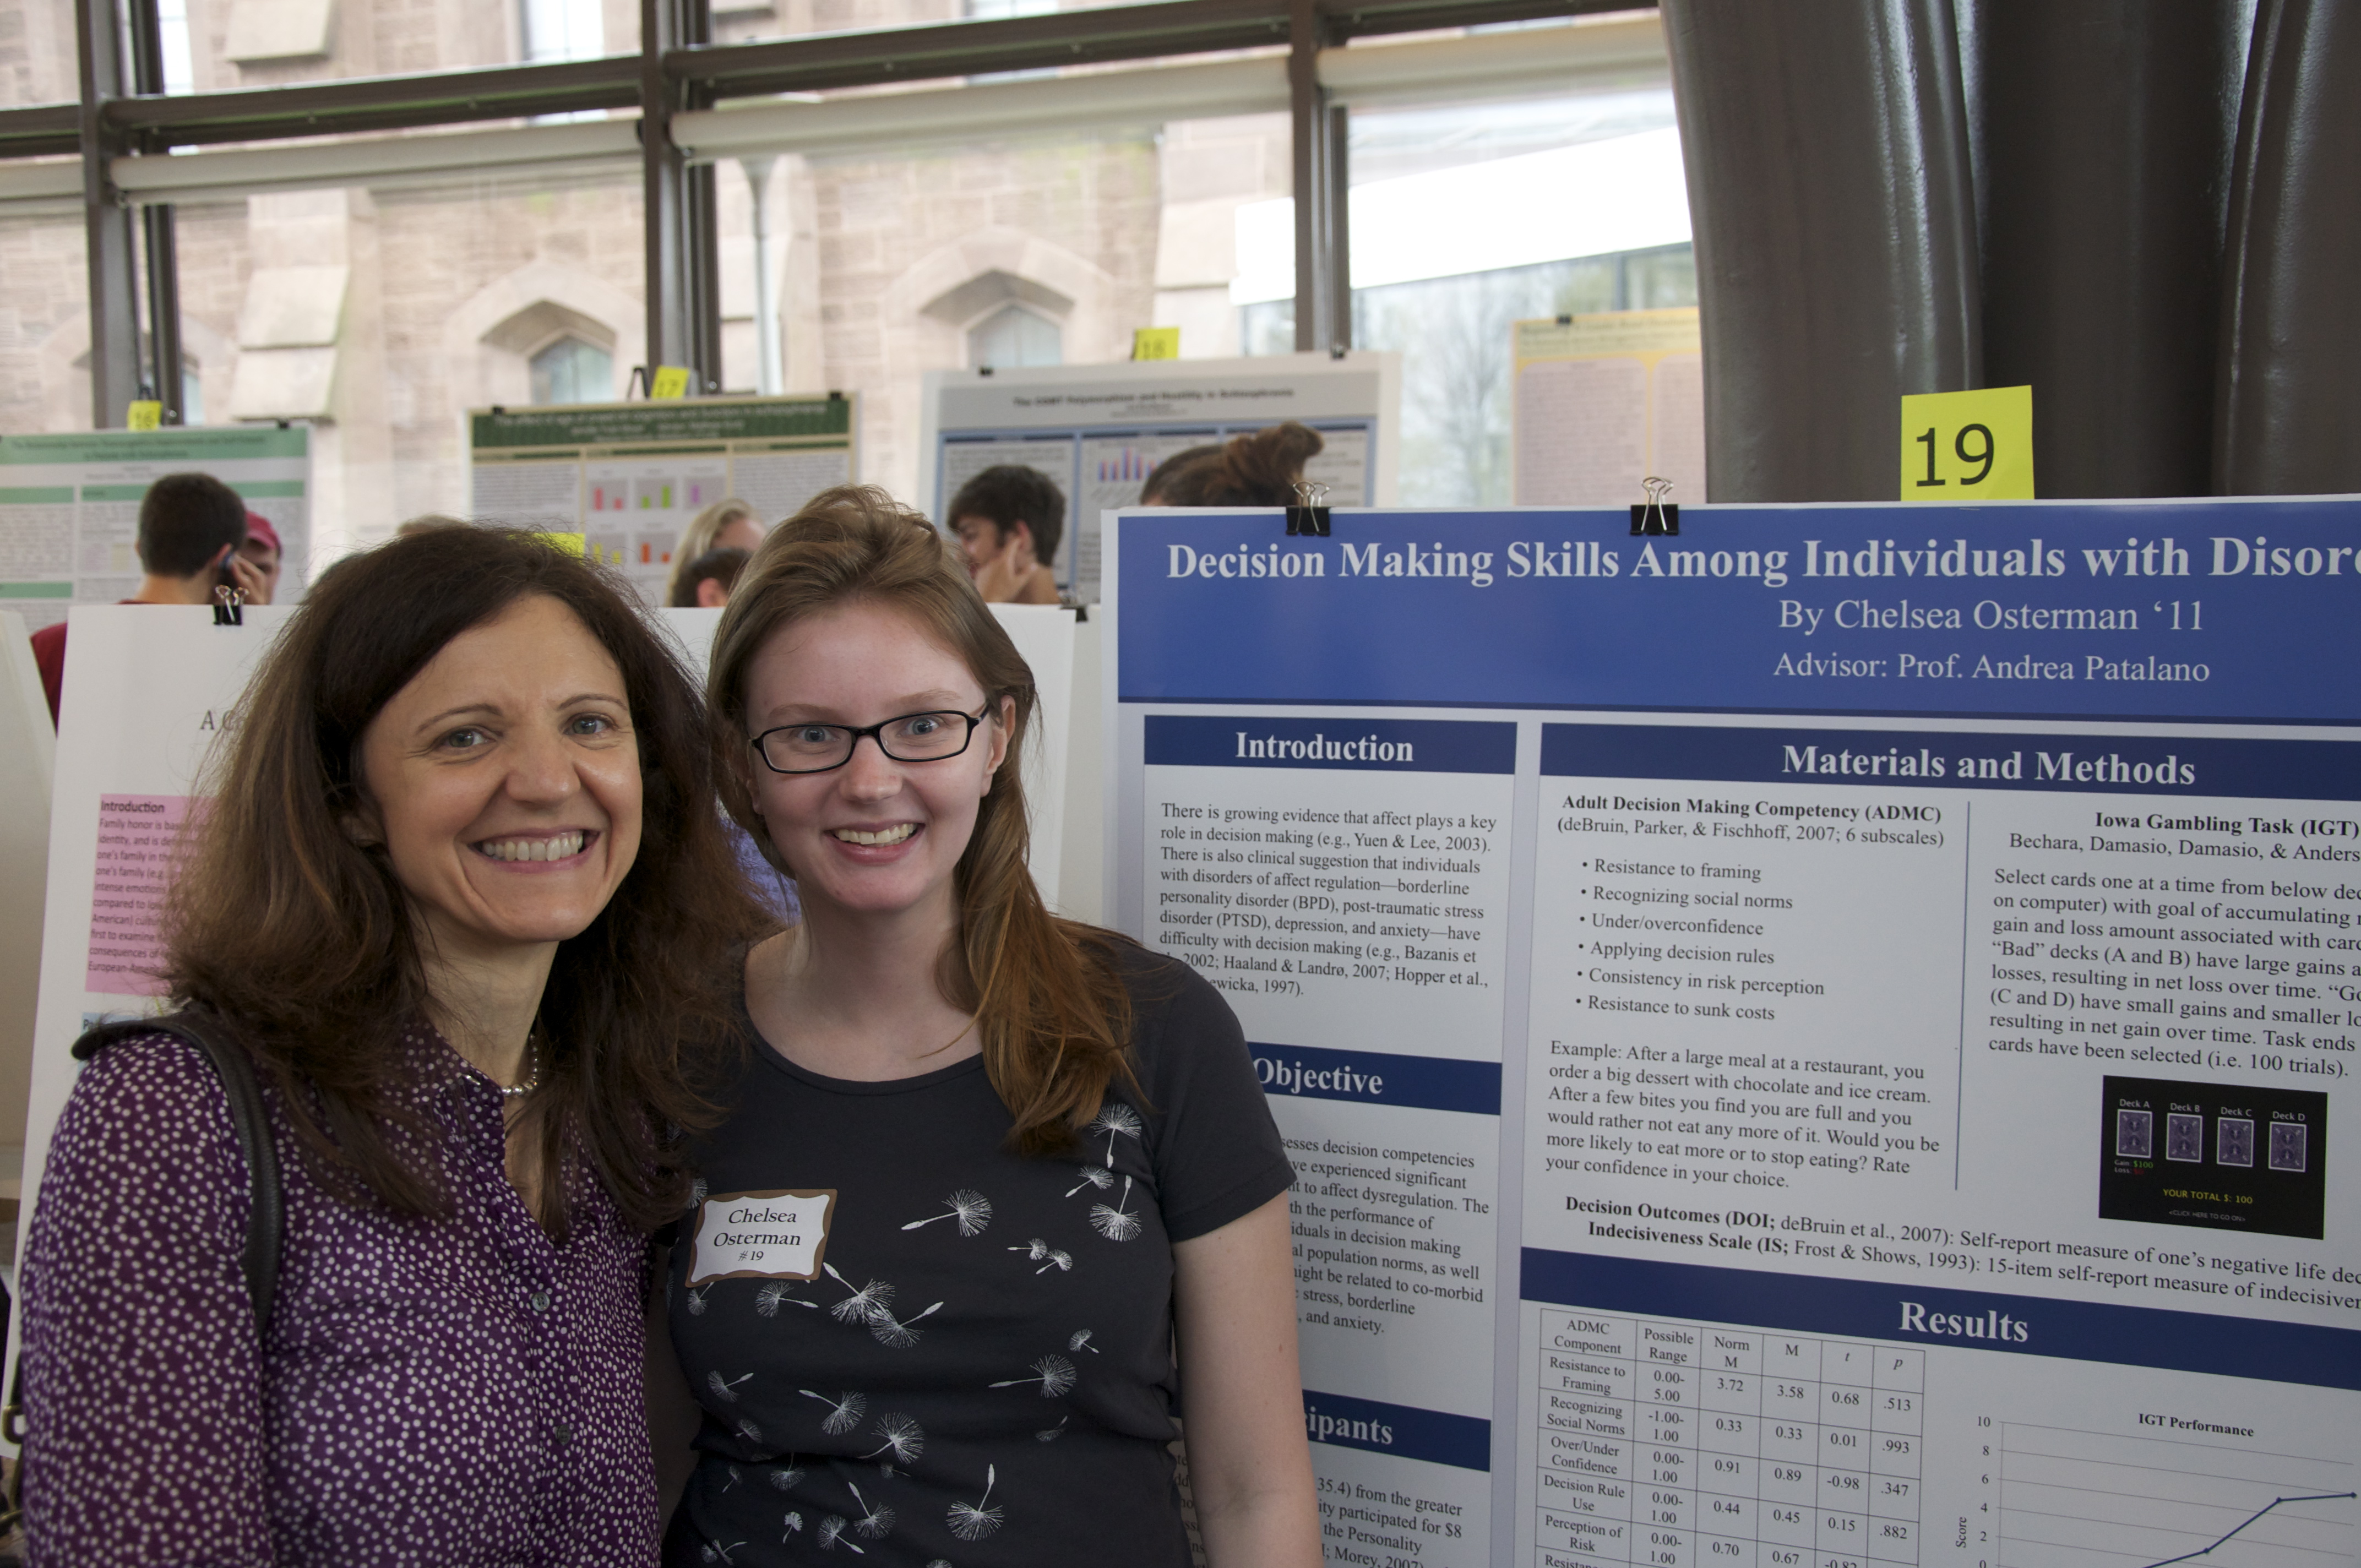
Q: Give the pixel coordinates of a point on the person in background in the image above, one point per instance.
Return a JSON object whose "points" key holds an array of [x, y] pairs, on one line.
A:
{"points": [[464, 898], [729, 524], [1257, 470], [191, 526], [261, 547], [427, 523], [987, 1378], [1009, 520], [706, 584], [1151, 490]]}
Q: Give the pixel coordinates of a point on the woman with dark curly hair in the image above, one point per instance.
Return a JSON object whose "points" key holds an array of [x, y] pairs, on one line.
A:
{"points": [[461, 897]]}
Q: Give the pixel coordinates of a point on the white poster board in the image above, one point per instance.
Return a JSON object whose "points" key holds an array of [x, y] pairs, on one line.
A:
{"points": [[27, 755], [1099, 431], [629, 476], [69, 506]]}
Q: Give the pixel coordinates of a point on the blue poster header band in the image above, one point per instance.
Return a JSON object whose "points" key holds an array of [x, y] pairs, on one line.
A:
{"points": [[1373, 745], [1402, 1430], [2238, 610], [1377, 1078], [1975, 1320], [2262, 770]]}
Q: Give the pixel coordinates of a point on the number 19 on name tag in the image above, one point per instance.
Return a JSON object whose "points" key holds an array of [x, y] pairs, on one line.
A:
{"points": [[1968, 446]]}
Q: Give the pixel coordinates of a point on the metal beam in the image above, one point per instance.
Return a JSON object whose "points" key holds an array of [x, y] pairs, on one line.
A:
{"points": [[109, 253], [812, 62], [684, 287], [43, 130], [156, 229], [380, 103], [711, 71]]}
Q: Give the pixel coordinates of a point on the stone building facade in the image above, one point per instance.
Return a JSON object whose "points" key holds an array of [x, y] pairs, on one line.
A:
{"points": [[382, 314]]}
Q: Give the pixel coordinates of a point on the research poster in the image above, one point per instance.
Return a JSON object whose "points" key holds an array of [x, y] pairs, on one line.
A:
{"points": [[69, 507], [1604, 402], [1811, 1044], [629, 476], [1098, 431]]}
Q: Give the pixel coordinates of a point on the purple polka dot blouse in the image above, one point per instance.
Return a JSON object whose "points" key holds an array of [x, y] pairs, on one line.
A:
{"points": [[451, 1392]]}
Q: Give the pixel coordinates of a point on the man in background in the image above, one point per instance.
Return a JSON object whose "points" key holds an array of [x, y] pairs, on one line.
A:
{"points": [[191, 526], [1008, 520], [707, 582]]}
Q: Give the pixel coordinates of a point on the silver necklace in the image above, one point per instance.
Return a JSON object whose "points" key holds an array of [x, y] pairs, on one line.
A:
{"points": [[531, 1080]]}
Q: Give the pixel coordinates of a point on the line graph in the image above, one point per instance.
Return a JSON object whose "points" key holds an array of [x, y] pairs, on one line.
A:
{"points": [[2250, 1519], [2071, 1499]]}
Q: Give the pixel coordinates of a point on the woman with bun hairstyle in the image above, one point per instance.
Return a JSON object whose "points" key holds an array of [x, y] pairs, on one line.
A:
{"points": [[986, 1170], [1257, 470], [460, 897]]}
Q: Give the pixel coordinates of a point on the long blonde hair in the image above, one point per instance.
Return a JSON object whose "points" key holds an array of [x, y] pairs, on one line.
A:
{"points": [[698, 537], [1050, 1006]]}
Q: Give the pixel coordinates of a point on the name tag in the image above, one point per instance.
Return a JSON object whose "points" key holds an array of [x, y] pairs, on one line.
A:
{"points": [[760, 1235]]}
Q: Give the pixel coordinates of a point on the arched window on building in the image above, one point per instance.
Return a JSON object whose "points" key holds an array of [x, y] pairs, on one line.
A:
{"points": [[1014, 336], [572, 371]]}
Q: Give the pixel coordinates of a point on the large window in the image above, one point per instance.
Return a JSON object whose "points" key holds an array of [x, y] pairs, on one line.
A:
{"points": [[573, 371], [1014, 335], [1468, 220]]}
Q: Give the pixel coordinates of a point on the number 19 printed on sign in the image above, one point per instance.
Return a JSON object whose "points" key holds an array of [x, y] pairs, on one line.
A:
{"points": [[1968, 446]]}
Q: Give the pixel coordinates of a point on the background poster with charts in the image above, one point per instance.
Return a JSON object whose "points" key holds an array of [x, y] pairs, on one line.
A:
{"points": [[1099, 431], [1603, 401], [69, 507], [629, 476], [1817, 1043]]}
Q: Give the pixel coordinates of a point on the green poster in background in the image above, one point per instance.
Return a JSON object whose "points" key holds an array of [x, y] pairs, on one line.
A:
{"points": [[69, 506]]}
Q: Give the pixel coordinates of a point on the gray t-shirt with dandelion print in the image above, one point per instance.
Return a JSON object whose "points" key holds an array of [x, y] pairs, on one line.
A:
{"points": [[913, 1347]]}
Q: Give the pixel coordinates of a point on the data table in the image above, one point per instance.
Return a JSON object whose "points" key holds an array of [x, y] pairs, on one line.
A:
{"points": [[1673, 1444]]}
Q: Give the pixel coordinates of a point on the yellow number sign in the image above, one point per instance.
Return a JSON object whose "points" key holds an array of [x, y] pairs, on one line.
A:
{"points": [[144, 413], [671, 381], [1968, 446], [1155, 343]]}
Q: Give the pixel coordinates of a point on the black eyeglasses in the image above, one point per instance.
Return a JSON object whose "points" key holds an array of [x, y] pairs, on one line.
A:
{"points": [[913, 737]]}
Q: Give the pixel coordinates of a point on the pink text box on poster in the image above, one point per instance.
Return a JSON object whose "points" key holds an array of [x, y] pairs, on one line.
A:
{"points": [[138, 837]]}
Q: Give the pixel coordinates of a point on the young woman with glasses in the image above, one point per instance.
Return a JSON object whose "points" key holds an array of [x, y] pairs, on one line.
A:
{"points": [[987, 1171]]}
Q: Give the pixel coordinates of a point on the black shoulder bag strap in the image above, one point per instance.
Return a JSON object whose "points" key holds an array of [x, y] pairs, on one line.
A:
{"points": [[265, 1222], [266, 1216]]}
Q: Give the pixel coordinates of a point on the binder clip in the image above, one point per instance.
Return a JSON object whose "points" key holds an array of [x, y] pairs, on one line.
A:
{"points": [[1310, 514], [1656, 515], [229, 606]]}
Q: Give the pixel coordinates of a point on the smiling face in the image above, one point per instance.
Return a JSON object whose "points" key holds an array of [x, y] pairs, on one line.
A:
{"points": [[504, 783], [875, 835]]}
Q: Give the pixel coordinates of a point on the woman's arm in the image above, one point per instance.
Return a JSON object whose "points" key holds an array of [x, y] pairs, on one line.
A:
{"points": [[1249, 1468], [143, 1381]]}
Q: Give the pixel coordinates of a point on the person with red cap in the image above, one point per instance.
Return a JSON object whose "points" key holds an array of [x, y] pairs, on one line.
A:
{"points": [[261, 547]]}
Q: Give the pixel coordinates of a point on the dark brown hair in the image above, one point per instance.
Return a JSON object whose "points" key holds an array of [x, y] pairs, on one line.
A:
{"points": [[281, 921], [1008, 494], [1257, 470], [1050, 1006], [186, 519]]}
